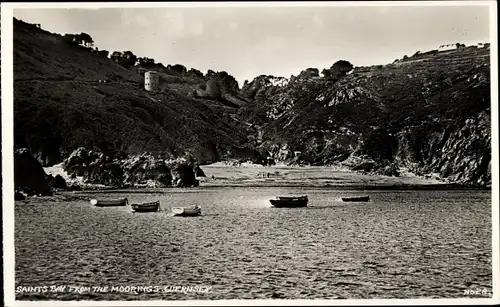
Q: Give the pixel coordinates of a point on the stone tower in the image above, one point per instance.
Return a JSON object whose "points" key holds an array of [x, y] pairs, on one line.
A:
{"points": [[151, 81]]}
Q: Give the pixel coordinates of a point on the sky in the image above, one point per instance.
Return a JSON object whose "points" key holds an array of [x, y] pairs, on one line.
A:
{"points": [[280, 41]]}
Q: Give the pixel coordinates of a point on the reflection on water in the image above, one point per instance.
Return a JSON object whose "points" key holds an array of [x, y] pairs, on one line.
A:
{"points": [[401, 244]]}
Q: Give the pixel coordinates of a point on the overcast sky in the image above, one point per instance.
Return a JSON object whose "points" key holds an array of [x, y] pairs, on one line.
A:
{"points": [[281, 41]]}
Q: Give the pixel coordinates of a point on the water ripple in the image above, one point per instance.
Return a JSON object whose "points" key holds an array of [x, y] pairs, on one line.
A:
{"points": [[403, 244]]}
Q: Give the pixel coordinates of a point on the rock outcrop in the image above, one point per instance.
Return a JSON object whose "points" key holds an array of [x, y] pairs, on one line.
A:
{"points": [[59, 182], [19, 196], [134, 171], [222, 86], [94, 167], [460, 155], [198, 171], [29, 176], [147, 169], [183, 174]]}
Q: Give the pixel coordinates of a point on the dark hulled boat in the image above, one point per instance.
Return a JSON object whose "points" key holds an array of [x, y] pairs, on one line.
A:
{"points": [[146, 207], [289, 202], [356, 199]]}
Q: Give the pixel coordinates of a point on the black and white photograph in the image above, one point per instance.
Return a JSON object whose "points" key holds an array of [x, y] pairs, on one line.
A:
{"points": [[250, 153]]}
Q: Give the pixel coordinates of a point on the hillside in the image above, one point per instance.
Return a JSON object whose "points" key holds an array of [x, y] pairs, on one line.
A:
{"points": [[426, 114], [60, 105]]}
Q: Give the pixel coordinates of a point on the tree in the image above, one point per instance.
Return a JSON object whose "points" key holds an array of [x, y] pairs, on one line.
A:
{"points": [[128, 59], [209, 73], [82, 39], [70, 39], [181, 69], [85, 39], [103, 53], [145, 62], [195, 72], [338, 70], [308, 73], [342, 67], [116, 57], [326, 73]]}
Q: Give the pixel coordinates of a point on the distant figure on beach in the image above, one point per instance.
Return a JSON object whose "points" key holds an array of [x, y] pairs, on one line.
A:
{"points": [[267, 175], [213, 177]]}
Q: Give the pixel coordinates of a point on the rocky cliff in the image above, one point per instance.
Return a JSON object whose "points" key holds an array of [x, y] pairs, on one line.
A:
{"points": [[61, 104], [427, 115], [29, 176], [144, 170]]}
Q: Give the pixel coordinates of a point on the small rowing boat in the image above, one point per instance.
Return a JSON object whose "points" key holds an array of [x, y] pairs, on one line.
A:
{"points": [[289, 202], [186, 211], [146, 207], [109, 202], [356, 199]]}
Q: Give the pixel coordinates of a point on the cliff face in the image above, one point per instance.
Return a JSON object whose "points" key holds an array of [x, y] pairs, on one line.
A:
{"points": [[427, 115], [461, 155], [29, 175], [146, 169], [60, 104]]}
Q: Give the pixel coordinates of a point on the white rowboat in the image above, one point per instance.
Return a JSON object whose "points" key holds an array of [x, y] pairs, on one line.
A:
{"points": [[186, 211]]}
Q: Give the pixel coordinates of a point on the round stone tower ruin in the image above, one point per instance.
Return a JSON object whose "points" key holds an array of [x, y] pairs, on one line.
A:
{"points": [[213, 88], [151, 81]]}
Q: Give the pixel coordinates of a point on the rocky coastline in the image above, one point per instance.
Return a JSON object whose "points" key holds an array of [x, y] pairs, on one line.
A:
{"points": [[93, 125], [92, 170]]}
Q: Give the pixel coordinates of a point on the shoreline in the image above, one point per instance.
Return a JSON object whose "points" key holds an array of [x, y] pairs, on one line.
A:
{"points": [[165, 190], [252, 176]]}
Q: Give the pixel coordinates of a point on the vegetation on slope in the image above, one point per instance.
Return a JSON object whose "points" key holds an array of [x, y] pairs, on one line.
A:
{"points": [[372, 111], [428, 113], [62, 103]]}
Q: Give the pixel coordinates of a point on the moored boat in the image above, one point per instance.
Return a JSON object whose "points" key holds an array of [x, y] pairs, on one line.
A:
{"points": [[356, 199], [146, 207], [109, 202], [289, 201], [186, 211]]}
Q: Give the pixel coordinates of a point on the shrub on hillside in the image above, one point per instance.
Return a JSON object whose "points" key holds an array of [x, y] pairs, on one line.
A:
{"points": [[338, 70], [103, 53], [126, 59]]}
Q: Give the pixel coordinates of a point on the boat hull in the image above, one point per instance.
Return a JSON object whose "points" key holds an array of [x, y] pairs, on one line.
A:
{"points": [[289, 202], [356, 199], [146, 207], [181, 211], [109, 202]]}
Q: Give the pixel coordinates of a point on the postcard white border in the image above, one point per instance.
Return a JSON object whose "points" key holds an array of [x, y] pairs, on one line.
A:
{"points": [[7, 153]]}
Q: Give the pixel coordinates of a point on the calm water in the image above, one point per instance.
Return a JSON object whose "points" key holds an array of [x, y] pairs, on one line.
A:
{"points": [[402, 244]]}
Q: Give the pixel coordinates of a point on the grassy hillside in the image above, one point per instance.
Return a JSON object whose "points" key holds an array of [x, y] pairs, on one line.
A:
{"points": [[428, 114], [421, 112], [61, 105]]}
